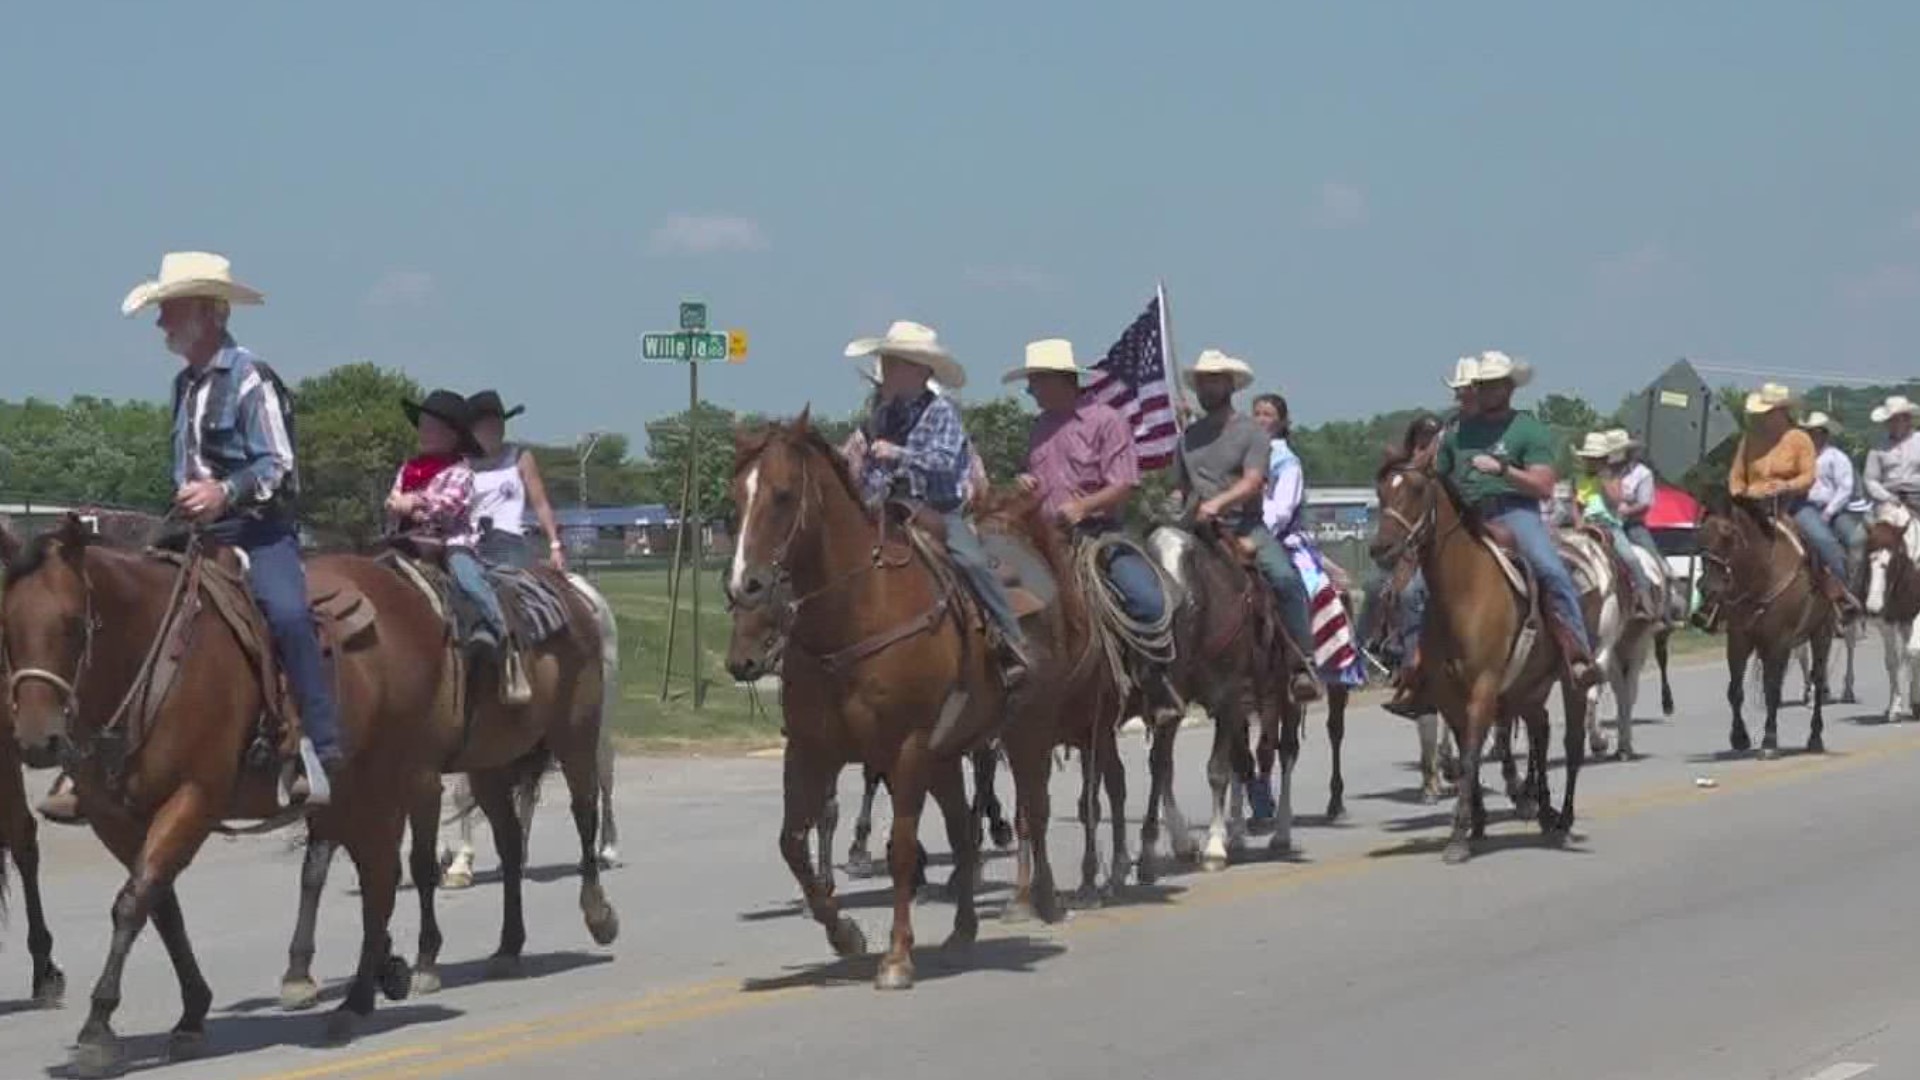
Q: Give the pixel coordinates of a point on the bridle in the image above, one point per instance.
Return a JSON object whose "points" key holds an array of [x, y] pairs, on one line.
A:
{"points": [[66, 688], [1415, 531]]}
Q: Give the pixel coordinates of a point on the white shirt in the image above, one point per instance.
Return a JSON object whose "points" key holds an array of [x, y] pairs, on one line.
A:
{"points": [[500, 492]]}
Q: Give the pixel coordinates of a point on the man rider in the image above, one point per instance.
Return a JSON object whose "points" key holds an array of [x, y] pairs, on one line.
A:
{"points": [[1501, 462], [916, 446], [1220, 472], [1893, 470], [1776, 460], [1082, 463], [1837, 493]]}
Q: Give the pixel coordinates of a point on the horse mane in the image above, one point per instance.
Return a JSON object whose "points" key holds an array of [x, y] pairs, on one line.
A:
{"points": [[40, 550], [803, 436], [1399, 458]]}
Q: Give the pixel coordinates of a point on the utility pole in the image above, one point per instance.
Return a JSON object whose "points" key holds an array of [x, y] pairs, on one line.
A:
{"points": [[592, 439]]}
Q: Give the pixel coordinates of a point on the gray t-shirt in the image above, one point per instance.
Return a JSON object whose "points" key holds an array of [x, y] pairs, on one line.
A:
{"points": [[1213, 457]]}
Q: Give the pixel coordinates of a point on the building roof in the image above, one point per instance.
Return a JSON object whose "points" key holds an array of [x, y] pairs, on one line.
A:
{"points": [[614, 517]]}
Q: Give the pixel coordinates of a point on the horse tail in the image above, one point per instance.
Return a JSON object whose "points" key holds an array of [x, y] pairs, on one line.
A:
{"points": [[6, 854], [608, 626]]}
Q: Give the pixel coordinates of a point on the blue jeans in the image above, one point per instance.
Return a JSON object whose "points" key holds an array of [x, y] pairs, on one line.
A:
{"points": [[1851, 529], [279, 584], [471, 576], [963, 545], [1277, 567], [1531, 540], [1819, 536], [1413, 615], [1132, 576]]}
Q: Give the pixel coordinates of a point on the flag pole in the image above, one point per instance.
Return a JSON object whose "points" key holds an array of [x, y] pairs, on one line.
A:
{"points": [[1173, 357]]}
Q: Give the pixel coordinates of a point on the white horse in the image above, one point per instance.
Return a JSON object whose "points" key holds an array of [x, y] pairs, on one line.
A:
{"points": [[458, 858], [1639, 638]]}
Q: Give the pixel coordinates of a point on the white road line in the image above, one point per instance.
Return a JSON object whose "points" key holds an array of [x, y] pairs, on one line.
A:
{"points": [[1845, 1070]]}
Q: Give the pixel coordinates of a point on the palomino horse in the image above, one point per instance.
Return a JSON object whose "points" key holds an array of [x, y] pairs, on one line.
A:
{"points": [[1759, 586], [1230, 662], [873, 642], [1478, 666], [157, 736], [1893, 599]]}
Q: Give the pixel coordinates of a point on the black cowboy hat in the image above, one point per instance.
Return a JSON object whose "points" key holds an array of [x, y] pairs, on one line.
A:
{"points": [[451, 409], [487, 403]]}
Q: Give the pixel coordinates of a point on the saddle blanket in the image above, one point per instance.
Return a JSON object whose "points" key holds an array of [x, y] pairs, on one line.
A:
{"points": [[531, 602]]}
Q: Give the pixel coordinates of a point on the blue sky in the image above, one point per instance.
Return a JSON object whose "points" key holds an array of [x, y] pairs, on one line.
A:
{"points": [[1349, 196]]}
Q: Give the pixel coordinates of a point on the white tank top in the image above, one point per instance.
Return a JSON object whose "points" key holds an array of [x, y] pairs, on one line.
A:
{"points": [[499, 493]]}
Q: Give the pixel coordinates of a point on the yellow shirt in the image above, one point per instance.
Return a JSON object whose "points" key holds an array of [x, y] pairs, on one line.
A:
{"points": [[1785, 468]]}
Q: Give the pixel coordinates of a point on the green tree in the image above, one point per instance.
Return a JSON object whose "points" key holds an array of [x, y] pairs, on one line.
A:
{"points": [[669, 448], [613, 478], [353, 437], [998, 430]]}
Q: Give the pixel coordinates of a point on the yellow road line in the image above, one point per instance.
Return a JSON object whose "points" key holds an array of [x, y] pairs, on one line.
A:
{"points": [[722, 996]]}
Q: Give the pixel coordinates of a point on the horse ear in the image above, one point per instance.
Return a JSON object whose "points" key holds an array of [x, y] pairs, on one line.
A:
{"points": [[73, 536], [10, 543], [803, 423], [1424, 457]]}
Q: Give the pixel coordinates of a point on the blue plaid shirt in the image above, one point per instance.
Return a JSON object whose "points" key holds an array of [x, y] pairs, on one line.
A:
{"points": [[934, 451], [228, 426]]}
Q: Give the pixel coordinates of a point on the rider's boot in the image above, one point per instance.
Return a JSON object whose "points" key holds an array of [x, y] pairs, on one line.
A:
{"points": [[1409, 701], [1580, 668]]}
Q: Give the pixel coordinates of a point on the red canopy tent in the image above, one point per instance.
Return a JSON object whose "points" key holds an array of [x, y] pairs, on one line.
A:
{"points": [[1672, 509]]}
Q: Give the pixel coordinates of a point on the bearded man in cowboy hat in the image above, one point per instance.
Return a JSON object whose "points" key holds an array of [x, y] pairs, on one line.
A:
{"points": [[1775, 461], [1837, 493], [917, 448], [1893, 469], [235, 477], [1220, 471], [1082, 463], [1501, 462]]}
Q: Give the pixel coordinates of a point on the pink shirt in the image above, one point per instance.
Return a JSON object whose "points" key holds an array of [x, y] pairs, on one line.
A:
{"points": [[446, 507], [1077, 454]]}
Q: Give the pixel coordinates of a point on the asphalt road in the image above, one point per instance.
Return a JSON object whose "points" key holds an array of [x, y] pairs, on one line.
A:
{"points": [[1759, 927]]}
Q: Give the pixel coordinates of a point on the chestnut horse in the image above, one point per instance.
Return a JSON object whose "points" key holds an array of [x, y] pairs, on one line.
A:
{"points": [[872, 643], [1758, 584], [1474, 623], [158, 759]]}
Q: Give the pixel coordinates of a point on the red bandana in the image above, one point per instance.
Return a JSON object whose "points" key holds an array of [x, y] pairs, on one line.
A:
{"points": [[419, 472]]}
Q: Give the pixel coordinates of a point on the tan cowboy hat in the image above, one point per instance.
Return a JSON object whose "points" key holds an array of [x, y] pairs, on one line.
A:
{"points": [[1595, 445], [869, 373], [186, 274], [1053, 356], [1494, 365], [1768, 398], [1897, 405], [1464, 370], [1822, 421], [917, 345], [1620, 439], [1215, 362]]}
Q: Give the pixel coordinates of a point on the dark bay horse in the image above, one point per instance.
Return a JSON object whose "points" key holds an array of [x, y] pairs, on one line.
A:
{"points": [[872, 643], [20, 837], [1474, 621], [1758, 585], [159, 759]]}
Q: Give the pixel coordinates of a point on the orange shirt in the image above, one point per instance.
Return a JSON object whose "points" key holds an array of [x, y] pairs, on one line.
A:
{"points": [[1787, 466]]}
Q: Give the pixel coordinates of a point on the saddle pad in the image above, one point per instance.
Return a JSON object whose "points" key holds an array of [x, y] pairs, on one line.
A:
{"points": [[534, 607], [1515, 576], [344, 614], [1030, 583]]}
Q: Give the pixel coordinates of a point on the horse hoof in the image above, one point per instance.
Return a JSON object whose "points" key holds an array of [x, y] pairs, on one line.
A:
{"points": [[455, 880], [846, 939], [426, 982], [1336, 813], [962, 938], [604, 924], [609, 857], [1146, 873], [396, 979], [859, 864], [186, 1046], [1213, 864], [1002, 835], [297, 994], [51, 992], [501, 966], [1017, 913], [341, 1025], [1089, 897], [1816, 745], [1457, 852], [98, 1058], [1740, 742], [894, 977], [1768, 753]]}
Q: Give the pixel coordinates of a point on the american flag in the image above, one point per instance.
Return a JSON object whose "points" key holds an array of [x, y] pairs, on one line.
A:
{"points": [[1133, 380]]}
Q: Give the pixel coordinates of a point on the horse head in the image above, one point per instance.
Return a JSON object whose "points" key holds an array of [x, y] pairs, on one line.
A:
{"points": [[784, 478], [1409, 489], [1888, 564], [47, 627]]}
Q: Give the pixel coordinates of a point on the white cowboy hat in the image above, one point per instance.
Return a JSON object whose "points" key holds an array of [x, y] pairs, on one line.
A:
{"points": [[1596, 444], [1053, 356], [1215, 362], [869, 373], [1494, 365], [1464, 370], [1822, 421], [1768, 398], [917, 345], [187, 274], [1621, 439], [1897, 405]]}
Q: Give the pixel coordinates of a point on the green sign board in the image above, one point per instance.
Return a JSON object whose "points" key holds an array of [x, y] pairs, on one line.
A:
{"points": [[671, 348], [693, 315]]}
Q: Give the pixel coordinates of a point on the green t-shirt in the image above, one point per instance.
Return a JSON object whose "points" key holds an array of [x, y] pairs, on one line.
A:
{"points": [[1518, 439]]}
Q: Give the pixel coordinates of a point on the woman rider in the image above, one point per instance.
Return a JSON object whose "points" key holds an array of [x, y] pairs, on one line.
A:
{"points": [[506, 482]]}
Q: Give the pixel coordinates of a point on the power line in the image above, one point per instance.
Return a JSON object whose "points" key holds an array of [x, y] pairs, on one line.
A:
{"points": [[1804, 376]]}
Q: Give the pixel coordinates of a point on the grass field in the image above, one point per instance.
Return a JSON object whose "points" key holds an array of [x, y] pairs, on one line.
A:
{"points": [[729, 719]]}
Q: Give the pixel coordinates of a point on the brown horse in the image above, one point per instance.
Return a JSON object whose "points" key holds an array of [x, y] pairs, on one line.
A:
{"points": [[1474, 624], [873, 641], [1758, 585], [20, 835], [160, 760]]}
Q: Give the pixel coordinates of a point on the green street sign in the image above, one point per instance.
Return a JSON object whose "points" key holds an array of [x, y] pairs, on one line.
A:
{"points": [[672, 348], [693, 315]]}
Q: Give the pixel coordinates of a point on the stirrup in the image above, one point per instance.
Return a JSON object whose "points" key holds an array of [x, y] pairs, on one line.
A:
{"points": [[514, 687]]}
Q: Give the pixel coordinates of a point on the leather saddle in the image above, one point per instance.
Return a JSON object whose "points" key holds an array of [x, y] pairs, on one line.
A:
{"points": [[1029, 584]]}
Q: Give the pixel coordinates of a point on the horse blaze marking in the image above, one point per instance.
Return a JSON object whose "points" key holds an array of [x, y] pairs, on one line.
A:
{"points": [[752, 485]]}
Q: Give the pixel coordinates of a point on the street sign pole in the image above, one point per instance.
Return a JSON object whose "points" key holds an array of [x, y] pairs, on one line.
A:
{"points": [[691, 345]]}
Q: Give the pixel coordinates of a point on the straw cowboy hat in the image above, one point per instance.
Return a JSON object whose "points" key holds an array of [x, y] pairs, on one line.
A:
{"points": [[450, 409], [1464, 370], [1897, 405], [1595, 445], [1215, 362], [917, 345], [1770, 397], [1494, 365], [186, 274], [869, 373], [1053, 356], [1622, 440], [1822, 421]]}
